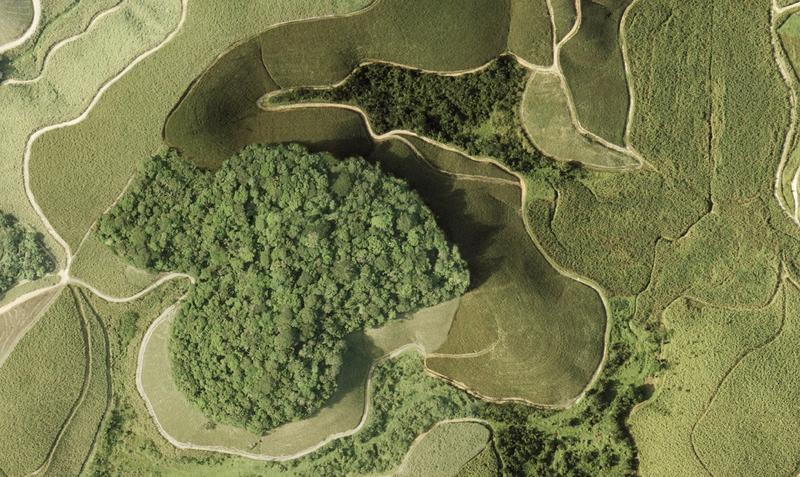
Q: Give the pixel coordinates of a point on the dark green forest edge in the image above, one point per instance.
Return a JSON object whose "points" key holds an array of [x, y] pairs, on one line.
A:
{"points": [[476, 112], [23, 255], [292, 251]]}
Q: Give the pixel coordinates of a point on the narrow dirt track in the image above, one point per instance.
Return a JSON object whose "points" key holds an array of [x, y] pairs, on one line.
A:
{"points": [[37, 16]]}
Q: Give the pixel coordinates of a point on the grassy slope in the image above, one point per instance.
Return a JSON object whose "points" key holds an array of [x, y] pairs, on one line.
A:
{"points": [[126, 125], [592, 64], [445, 449], [96, 264], [706, 341], [484, 464], [79, 438], [547, 121], [15, 322], [61, 19], [789, 35], [47, 367], [129, 32], [564, 15], [755, 407], [447, 35], [530, 34], [15, 17]]}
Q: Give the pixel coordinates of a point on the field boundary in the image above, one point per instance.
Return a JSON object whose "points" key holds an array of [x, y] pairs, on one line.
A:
{"points": [[58, 45], [87, 378]]}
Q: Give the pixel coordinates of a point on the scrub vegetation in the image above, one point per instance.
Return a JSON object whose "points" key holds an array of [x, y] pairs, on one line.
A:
{"points": [[371, 252], [23, 255]]}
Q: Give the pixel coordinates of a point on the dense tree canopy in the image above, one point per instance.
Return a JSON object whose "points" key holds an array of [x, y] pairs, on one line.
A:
{"points": [[292, 251], [23, 256]]}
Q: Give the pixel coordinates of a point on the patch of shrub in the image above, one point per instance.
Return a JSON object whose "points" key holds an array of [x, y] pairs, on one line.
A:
{"points": [[23, 255]]}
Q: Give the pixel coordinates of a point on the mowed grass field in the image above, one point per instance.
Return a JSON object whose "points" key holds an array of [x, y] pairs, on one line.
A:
{"points": [[755, 406], [60, 20], [547, 121], [79, 437], [592, 63], [15, 17], [15, 322], [40, 383], [564, 16], [97, 265], [445, 449], [705, 344], [447, 35]]}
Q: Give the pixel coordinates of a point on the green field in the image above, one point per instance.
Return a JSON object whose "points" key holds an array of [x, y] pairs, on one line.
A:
{"points": [[445, 449], [592, 64], [564, 16], [16, 322], [530, 32], [546, 118], [61, 20], [15, 17], [447, 35], [126, 125], [48, 367]]}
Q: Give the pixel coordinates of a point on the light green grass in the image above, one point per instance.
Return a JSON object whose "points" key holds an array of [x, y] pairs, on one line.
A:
{"points": [[446, 35], [705, 342], [445, 449], [17, 321], [484, 464], [61, 19], [39, 384], [546, 119], [755, 408], [530, 34], [15, 17], [79, 437], [592, 64], [126, 34], [564, 15]]}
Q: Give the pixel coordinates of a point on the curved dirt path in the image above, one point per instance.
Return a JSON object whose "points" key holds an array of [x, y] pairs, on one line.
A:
{"points": [[788, 75], [87, 378], [785, 279], [398, 134], [37, 17], [170, 311], [57, 46], [556, 69]]}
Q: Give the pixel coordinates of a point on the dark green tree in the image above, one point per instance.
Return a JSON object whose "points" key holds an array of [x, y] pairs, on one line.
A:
{"points": [[23, 255], [292, 251]]}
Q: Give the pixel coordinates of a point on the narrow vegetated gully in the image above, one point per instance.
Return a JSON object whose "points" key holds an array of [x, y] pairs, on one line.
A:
{"points": [[357, 136]]}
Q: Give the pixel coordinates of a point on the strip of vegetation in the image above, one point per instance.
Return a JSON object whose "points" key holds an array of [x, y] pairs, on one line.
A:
{"points": [[259, 341], [476, 112], [23, 255]]}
